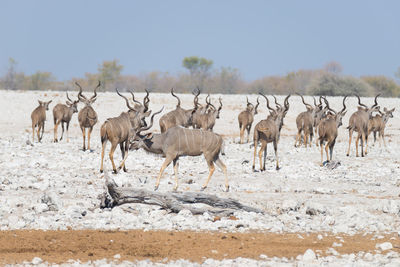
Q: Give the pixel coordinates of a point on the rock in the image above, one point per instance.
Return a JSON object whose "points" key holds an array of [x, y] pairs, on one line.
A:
{"points": [[309, 255], [41, 207], [36, 260], [52, 201], [384, 246], [290, 205]]}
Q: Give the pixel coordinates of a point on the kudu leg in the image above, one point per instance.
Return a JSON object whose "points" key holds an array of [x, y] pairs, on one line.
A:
{"points": [[55, 132], [176, 166], [331, 149], [111, 155], [167, 161], [84, 137], [357, 141], [62, 133], [260, 153], [241, 134], [221, 165], [88, 141], [38, 132], [350, 136], [276, 155], [248, 132], [321, 145], [211, 167], [67, 132], [103, 148], [362, 145], [42, 128], [33, 133], [124, 153], [298, 136], [365, 140], [326, 151], [254, 156]]}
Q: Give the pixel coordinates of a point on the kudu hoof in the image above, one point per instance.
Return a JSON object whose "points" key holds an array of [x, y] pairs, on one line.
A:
{"points": [[278, 168], [347, 155], [156, 188], [203, 188], [227, 189], [115, 171], [101, 171]]}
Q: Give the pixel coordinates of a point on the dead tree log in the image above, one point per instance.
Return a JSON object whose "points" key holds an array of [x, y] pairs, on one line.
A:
{"points": [[174, 202]]}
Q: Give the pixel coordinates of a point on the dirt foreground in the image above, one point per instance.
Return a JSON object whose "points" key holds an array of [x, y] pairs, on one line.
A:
{"points": [[86, 245]]}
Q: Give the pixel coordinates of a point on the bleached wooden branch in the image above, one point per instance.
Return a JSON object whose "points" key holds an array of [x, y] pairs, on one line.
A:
{"points": [[174, 201]]}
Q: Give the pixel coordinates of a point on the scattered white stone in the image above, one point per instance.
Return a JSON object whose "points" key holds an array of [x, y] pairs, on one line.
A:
{"points": [[384, 246], [309, 255], [36, 260]]}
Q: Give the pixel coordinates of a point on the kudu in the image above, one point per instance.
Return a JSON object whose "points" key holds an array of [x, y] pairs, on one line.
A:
{"points": [[378, 123], [119, 130], [246, 118], [328, 130], [38, 117], [304, 123], [62, 113], [319, 114], [359, 122], [207, 119], [200, 110], [178, 141], [268, 130], [87, 117], [177, 117]]}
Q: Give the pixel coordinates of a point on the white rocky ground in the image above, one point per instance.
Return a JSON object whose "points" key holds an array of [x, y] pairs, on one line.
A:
{"points": [[56, 185]]}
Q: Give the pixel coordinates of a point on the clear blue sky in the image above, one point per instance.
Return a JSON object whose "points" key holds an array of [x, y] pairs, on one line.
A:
{"points": [[69, 38]]}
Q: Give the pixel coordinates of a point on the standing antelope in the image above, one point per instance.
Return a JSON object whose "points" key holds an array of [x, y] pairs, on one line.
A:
{"points": [[63, 114], [267, 131], [200, 110], [178, 141], [246, 118], [328, 130], [38, 117], [304, 122], [207, 119], [119, 130], [359, 122], [179, 116], [87, 116], [378, 123]]}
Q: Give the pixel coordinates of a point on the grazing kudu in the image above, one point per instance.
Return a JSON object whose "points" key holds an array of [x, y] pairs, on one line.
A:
{"points": [[87, 117], [207, 120], [267, 131], [378, 123], [63, 114], [246, 118], [179, 116], [328, 130], [119, 130], [38, 117], [178, 141], [359, 122], [304, 123]]}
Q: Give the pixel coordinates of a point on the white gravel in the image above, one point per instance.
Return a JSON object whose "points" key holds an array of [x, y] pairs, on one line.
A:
{"points": [[56, 185]]}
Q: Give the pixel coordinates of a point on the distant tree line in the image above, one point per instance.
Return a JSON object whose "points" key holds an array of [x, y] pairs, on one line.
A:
{"points": [[328, 80]]}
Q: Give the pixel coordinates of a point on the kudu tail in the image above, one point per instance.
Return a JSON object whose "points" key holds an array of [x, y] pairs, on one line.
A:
{"points": [[103, 132]]}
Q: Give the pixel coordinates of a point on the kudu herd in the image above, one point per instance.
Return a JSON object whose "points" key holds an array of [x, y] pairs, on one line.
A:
{"points": [[177, 139]]}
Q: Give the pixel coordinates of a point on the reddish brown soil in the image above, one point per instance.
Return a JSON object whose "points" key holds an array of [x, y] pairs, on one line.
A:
{"points": [[60, 246]]}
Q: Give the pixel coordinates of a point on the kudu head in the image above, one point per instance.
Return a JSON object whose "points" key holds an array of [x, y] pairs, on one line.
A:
{"points": [[137, 139], [73, 105], [214, 110], [370, 110], [44, 104], [386, 114], [83, 99], [250, 107], [136, 116], [337, 116]]}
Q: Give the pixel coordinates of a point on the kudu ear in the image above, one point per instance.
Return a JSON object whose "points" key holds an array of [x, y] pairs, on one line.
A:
{"points": [[147, 113], [68, 103], [392, 110], [148, 136], [385, 109], [344, 113], [40, 102]]}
